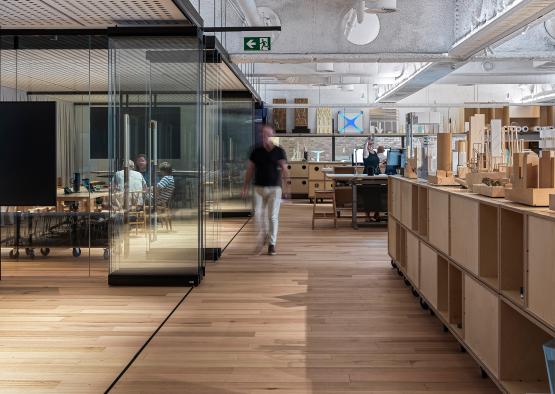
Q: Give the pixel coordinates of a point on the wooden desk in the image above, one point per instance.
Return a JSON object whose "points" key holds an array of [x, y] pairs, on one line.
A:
{"points": [[354, 181], [83, 198]]}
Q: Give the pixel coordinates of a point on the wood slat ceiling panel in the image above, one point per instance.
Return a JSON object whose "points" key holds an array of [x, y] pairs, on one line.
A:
{"points": [[87, 13]]}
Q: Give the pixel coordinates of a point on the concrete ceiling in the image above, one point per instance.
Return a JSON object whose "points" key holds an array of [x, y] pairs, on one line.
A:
{"points": [[450, 39]]}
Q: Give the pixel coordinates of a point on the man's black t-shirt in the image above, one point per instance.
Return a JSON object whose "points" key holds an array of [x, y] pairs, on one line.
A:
{"points": [[266, 165]]}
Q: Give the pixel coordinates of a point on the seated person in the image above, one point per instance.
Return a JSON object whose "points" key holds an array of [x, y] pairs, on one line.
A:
{"points": [[383, 158], [141, 164], [136, 184], [166, 186]]}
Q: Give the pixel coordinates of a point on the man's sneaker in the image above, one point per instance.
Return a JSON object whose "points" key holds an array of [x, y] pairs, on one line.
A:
{"points": [[272, 250]]}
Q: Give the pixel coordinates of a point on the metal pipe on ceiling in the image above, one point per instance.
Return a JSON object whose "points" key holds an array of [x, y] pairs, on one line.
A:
{"points": [[250, 11]]}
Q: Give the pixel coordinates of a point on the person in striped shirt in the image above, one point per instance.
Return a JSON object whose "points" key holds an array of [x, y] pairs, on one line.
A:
{"points": [[166, 185]]}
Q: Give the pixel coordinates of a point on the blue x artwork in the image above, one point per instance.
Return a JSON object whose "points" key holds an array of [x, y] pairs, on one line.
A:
{"points": [[350, 122]]}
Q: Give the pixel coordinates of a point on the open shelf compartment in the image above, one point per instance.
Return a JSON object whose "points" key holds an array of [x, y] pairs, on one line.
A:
{"points": [[522, 362], [456, 299], [488, 263], [423, 211], [415, 220], [442, 286], [511, 255]]}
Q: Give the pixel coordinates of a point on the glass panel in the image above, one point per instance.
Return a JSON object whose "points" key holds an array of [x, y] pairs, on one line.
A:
{"points": [[155, 132], [72, 235], [237, 141]]}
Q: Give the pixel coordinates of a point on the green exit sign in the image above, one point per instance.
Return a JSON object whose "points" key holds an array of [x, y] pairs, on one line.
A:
{"points": [[257, 43]]}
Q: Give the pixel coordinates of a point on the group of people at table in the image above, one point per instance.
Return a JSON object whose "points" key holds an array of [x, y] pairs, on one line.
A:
{"points": [[139, 180]]}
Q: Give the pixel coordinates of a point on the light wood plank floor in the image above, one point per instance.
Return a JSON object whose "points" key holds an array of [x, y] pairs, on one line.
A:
{"points": [[73, 335], [327, 315], [62, 331]]}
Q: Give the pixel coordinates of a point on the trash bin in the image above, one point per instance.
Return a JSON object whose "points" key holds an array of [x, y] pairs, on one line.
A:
{"points": [[549, 351]]}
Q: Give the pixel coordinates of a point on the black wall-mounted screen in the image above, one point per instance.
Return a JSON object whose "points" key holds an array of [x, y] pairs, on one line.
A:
{"points": [[169, 131], [28, 153]]}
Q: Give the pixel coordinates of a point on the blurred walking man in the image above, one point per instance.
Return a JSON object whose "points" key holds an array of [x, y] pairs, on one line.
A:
{"points": [[268, 165]]}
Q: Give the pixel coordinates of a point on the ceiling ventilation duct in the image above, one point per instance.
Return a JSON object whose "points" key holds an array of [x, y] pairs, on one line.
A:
{"points": [[380, 6], [549, 26], [324, 68]]}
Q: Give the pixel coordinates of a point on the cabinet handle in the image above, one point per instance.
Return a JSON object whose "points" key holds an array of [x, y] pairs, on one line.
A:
{"points": [[304, 182], [304, 167]]}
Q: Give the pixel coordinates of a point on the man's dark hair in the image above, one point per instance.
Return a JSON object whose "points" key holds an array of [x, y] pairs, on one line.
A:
{"points": [[165, 168], [140, 155]]}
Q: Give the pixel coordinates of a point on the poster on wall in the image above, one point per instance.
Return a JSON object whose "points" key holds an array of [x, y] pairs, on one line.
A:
{"points": [[350, 122]]}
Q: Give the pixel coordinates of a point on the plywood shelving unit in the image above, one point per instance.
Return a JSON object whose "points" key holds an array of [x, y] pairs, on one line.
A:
{"points": [[496, 299], [423, 212], [488, 240], [456, 299], [511, 267]]}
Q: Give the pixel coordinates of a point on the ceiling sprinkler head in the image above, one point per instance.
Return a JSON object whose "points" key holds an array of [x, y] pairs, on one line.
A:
{"points": [[380, 6]]}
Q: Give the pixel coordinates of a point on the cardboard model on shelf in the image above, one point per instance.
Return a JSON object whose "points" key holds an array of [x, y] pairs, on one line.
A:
{"points": [[411, 165], [301, 117], [490, 191], [444, 174], [279, 116], [324, 120], [532, 179]]}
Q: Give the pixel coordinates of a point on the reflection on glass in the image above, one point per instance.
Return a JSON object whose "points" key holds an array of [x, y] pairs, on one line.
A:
{"points": [[237, 140], [155, 135]]}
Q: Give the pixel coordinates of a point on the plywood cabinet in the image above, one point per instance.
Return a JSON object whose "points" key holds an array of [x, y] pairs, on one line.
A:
{"points": [[395, 206], [298, 170], [541, 268], [298, 185], [392, 238], [428, 273], [406, 204], [438, 219], [464, 232], [486, 267], [481, 321], [413, 258]]}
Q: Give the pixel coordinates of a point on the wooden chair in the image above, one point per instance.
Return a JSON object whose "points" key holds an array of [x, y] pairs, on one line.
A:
{"points": [[137, 213], [164, 213], [324, 196]]}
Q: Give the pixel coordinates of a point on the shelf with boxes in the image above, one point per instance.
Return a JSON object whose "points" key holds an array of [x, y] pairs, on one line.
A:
{"points": [[486, 268], [305, 177]]}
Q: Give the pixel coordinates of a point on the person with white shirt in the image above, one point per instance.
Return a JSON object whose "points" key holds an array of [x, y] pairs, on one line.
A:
{"points": [[136, 183]]}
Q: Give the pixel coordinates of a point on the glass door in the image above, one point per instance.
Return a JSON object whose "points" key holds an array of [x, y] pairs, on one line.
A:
{"points": [[155, 134]]}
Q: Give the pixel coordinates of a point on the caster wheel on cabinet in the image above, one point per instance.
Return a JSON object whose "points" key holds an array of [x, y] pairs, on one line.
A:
{"points": [[106, 254], [76, 252], [45, 251], [424, 305], [14, 254]]}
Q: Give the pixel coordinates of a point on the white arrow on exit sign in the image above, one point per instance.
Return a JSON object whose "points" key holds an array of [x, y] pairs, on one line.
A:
{"points": [[251, 44]]}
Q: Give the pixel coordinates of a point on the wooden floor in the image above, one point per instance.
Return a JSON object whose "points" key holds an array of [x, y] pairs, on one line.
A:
{"points": [[64, 330], [73, 335], [327, 315]]}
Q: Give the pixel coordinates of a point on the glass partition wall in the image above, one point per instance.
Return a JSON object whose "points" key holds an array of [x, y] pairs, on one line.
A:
{"points": [[237, 141], [69, 237], [156, 148], [212, 160]]}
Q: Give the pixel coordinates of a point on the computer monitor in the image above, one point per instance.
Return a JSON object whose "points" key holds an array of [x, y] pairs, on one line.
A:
{"points": [[394, 157], [395, 160]]}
